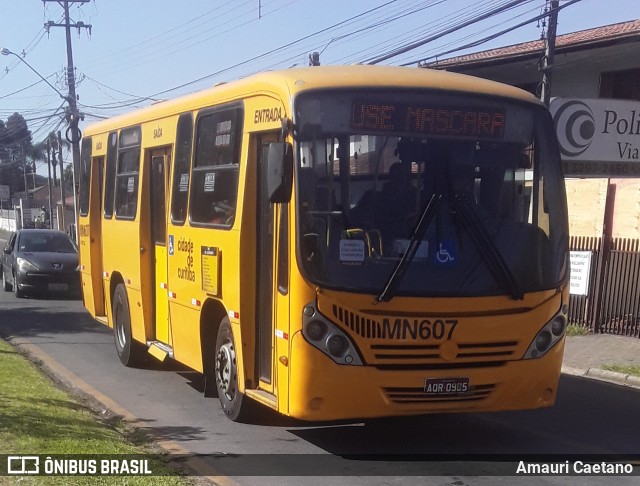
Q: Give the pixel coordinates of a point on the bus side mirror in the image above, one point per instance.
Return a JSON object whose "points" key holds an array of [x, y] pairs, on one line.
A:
{"points": [[279, 172]]}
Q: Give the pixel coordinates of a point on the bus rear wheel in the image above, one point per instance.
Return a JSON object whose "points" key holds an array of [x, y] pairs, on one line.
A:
{"points": [[233, 403], [130, 352]]}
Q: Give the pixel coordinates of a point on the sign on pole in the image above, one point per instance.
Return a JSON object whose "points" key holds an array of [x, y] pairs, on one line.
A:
{"points": [[580, 272], [598, 137], [4, 192]]}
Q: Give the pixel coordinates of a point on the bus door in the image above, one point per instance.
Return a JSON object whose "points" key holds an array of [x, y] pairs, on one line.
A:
{"points": [[94, 266], [158, 198], [268, 304]]}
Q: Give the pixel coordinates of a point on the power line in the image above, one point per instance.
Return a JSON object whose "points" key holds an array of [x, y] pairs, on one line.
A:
{"points": [[277, 49], [490, 37], [421, 42]]}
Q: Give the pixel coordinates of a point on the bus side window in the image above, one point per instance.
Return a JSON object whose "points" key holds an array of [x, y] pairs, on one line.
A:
{"points": [[85, 176], [127, 184], [182, 166], [110, 176], [215, 170], [215, 192]]}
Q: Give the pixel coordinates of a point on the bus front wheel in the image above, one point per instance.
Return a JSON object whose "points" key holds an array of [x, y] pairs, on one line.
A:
{"points": [[233, 403], [129, 351]]}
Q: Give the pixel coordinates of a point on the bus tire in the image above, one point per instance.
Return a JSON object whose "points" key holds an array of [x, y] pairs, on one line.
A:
{"points": [[233, 403], [129, 352]]}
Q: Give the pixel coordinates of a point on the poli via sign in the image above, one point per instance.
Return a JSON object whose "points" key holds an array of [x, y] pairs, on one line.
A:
{"points": [[598, 137]]}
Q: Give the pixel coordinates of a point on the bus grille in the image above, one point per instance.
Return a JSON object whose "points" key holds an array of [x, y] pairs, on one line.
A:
{"points": [[425, 356], [361, 325], [417, 395]]}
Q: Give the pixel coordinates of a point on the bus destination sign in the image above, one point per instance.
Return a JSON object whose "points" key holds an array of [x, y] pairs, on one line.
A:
{"points": [[417, 119]]}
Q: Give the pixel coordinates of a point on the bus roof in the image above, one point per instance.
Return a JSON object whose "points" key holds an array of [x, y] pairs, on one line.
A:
{"points": [[292, 81]]}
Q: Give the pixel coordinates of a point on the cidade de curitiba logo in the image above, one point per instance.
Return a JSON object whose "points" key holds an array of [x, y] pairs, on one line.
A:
{"points": [[575, 127]]}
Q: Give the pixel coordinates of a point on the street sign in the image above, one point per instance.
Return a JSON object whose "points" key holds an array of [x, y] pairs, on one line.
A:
{"points": [[580, 272], [4, 192]]}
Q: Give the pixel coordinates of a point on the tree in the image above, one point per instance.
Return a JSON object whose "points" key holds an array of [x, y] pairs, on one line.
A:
{"points": [[67, 176], [15, 141], [54, 143]]}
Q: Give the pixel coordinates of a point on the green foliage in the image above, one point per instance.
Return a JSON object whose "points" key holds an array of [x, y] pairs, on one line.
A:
{"points": [[624, 369], [36, 417], [576, 330]]}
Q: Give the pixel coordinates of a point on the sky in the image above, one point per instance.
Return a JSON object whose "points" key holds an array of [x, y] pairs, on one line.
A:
{"points": [[139, 51]]}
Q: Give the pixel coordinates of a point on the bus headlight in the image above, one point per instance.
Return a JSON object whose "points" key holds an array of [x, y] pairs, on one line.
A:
{"points": [[548, 336], [558, 324], [316, 330], [324, 335], [543, 340], [337, 345]]}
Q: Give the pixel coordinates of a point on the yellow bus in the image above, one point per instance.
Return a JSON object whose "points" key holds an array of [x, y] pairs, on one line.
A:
{"points": [[335, 242]]}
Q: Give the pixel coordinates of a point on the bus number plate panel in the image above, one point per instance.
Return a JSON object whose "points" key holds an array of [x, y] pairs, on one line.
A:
{"points": [[446, 386]]}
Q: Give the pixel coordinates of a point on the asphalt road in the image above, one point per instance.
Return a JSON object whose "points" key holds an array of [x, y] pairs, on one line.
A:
{"points": [[165, 400]]}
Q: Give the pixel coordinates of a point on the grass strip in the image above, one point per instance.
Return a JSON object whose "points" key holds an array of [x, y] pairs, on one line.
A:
{"points": [[625, 369], [36, 417]]}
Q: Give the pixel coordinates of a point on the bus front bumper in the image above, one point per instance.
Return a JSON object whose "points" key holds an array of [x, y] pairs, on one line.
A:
{"points": [[320, 389]]}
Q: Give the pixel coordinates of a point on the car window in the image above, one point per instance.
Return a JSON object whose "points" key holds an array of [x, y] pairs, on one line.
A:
{"points": [[39, 242], [60, 244]]}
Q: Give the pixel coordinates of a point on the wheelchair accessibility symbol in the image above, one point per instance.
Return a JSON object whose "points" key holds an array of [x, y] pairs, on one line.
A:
{"points": [[446, 254]]}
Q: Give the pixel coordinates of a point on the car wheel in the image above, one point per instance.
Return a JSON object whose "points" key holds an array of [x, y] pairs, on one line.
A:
{"points": [[130, 352], [19, 293], [234, 404], [6, 286]]}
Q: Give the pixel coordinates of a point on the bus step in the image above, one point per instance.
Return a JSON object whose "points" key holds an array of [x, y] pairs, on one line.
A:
{"points": [[263, 397], [102, 320], [160, 350]]}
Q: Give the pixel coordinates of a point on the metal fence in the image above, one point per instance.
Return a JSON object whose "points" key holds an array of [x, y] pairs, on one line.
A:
{"points": [[612, 303]]}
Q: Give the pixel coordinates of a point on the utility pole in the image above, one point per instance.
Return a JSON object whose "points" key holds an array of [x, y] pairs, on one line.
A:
{"points": [[50, 195], [61, 223], [23, 156], [73, 134], [550, 46]]}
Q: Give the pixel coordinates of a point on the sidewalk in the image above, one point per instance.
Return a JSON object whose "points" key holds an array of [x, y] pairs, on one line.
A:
{"points": [[586, 355]]}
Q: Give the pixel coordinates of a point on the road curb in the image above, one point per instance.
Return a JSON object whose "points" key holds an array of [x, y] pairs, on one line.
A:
{"points": [[102, 405], [604, 375]]}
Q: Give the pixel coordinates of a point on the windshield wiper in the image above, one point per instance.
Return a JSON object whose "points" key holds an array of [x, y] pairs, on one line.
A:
{"points": [[488, 250], [416, 239]]}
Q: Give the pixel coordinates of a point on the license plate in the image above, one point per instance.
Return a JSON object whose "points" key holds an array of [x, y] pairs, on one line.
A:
{"points": [[445, 386], [58, 286]]}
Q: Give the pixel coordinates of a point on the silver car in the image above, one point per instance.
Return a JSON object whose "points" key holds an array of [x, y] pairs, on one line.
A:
{"points": [[40, 261]]}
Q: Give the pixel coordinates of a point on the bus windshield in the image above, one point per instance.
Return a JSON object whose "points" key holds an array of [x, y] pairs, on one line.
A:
{"points": [[423, 194]]}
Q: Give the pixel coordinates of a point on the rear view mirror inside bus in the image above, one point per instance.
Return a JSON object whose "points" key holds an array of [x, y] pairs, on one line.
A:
{"points": [[279, 172]]}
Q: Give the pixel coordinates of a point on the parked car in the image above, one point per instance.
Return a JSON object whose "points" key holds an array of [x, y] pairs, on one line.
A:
{"points": [[40, 261]]}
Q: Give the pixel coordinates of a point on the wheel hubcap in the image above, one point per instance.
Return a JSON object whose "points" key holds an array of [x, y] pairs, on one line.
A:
{"points": [[225, 370], [122, 338]]}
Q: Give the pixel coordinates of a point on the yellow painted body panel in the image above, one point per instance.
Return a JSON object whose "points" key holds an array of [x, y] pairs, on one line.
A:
{"points": [[323, 390], [161, 297], [90, 237]]}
